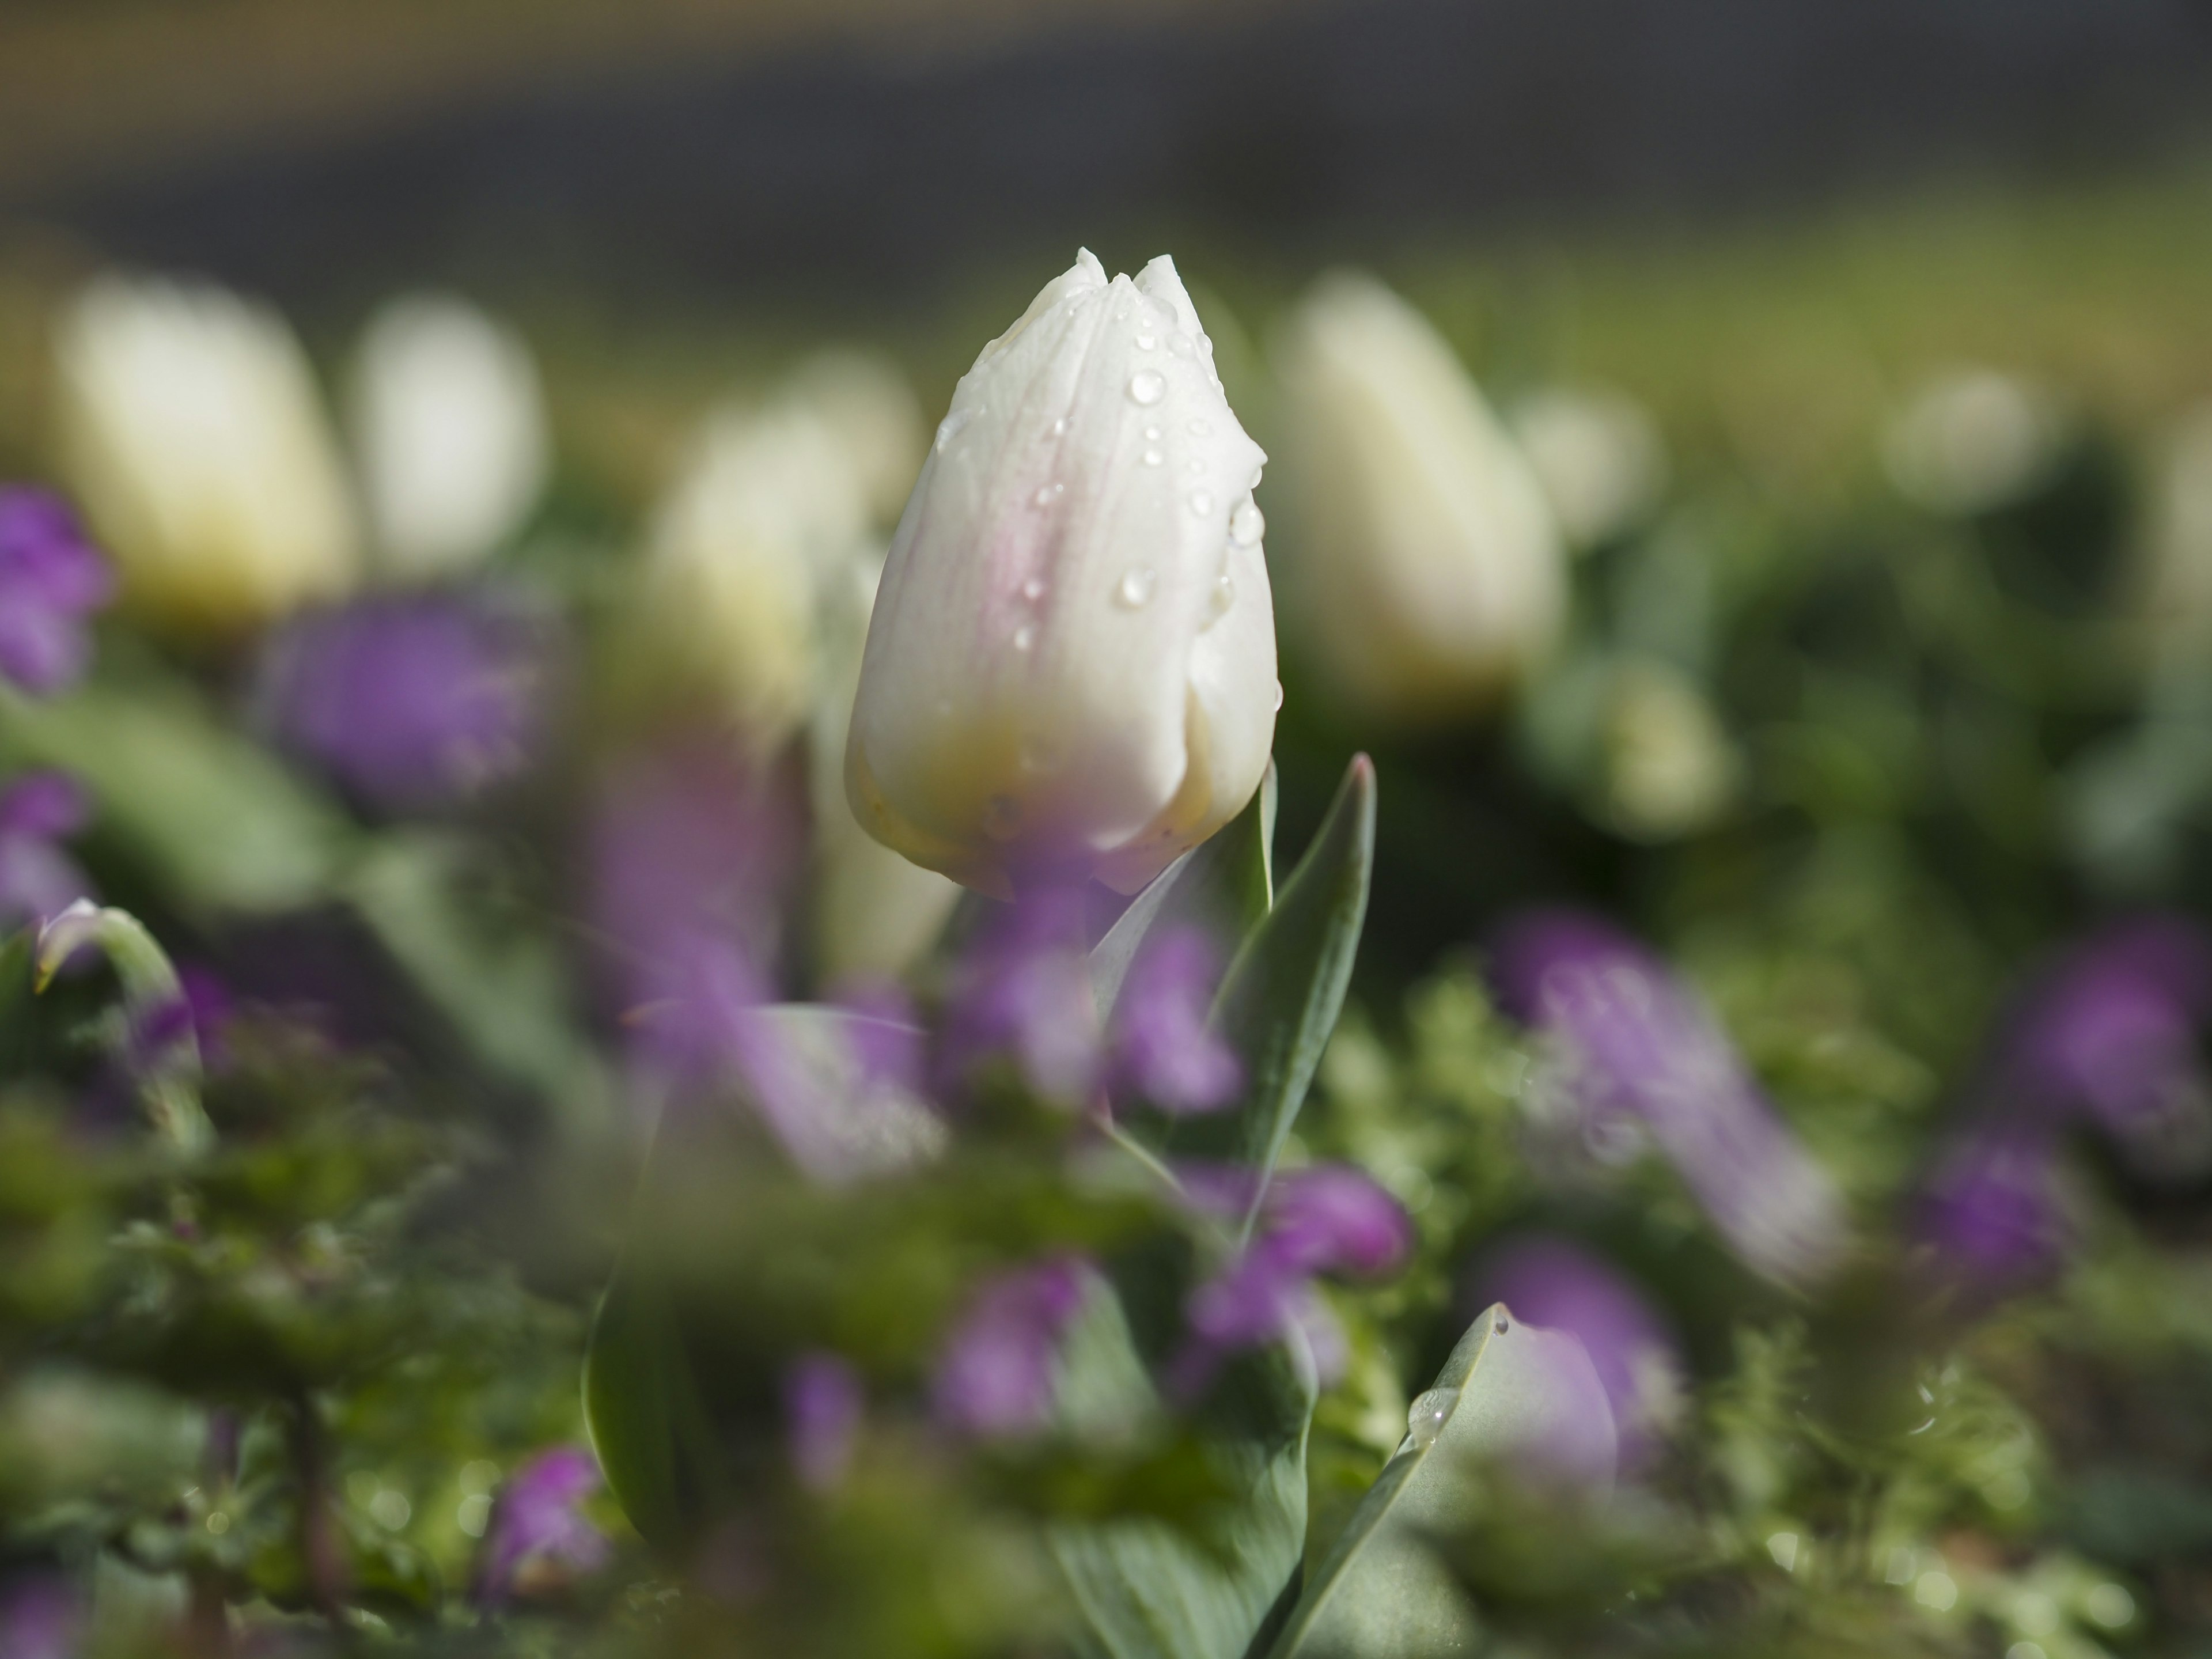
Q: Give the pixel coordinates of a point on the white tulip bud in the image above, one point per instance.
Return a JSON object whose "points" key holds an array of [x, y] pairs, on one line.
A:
{"points": [[769, 503], [449, 423], [875, 912], [190, 429], [1071, 669], [1598, 455], [864, 398], [1431, 574], [1971, 440], [2176, 581], [1670, 768]]}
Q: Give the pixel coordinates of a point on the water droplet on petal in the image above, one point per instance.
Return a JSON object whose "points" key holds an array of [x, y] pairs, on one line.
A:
{"points": [[1059, 427], [1002, 816], [1146, 342], [1025, 637], [1200, 426], [1424, 1420], [1224, 596], [1048, 493], [1153, 458], [1180, 344], [1147, 386], [949, 427], [1137, 584], [1500, 1325], [1279, 697], [1256, 471], [1246, 523], [1152, 434], [1033, 589], [1202, 501]]}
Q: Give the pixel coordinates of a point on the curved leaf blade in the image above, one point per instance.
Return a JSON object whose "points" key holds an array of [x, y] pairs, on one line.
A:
{"points": [[1509, 1391], [1281, 1001]]}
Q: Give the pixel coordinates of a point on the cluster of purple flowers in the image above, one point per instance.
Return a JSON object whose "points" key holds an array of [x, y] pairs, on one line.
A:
{"points": [[410, 702], [1328, 1219], [51, 582], [1637, 1055], [2104, 1039], [1022, 997], [1023, 994]]}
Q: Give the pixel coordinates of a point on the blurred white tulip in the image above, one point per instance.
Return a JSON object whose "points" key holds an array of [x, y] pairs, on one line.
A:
{"points": [[875, 911], [1597, 453], [863, 397], [190, 427], [768, 504], [1070, 669], [449, 423], [2179, 577], [1971, 440], [1670, 768], [1429, 573]]}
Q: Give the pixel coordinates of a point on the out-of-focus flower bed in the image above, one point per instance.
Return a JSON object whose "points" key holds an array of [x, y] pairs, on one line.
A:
{"points": [[1787, 664]]}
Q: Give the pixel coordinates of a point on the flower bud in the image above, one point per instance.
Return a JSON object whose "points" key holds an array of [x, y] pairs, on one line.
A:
{"points": [[1070, 667], [875, 913], [769, 503], [450, 426], [192, 433], [1598, 455], [1432, 573]]}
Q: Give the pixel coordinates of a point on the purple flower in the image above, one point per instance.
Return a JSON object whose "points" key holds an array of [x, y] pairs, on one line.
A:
{"points": [[2108, 1036], [538, 1540], [822, 1403], [1995, 1212], [39, 1618], [994, 1375], [51, 581], [412, 701], [690, 846], [1552, 1283], [38, 880], [1636, 1050], [1327, 1219], [1023, 994], [1165, 1051]]}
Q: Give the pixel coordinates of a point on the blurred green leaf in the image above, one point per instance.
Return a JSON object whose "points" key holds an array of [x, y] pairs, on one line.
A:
{"points": [[1148, 1589], [216, 819], [506, 995], [1509, 1391]]}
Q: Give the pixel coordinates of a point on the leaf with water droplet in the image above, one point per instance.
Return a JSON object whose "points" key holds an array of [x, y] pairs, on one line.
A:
{"points": [[1511, 1396]]}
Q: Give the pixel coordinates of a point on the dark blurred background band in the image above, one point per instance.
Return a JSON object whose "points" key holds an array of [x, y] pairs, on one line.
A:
{"points": [[781, 143]]}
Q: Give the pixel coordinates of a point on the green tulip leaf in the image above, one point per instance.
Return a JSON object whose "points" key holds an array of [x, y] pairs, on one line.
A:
{"points": [[1225, 884], [646, 1397], [1146, 1588], [169, 1073], [505, 996], [1279, 1002], [1511, 1393], [218, 822]]}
